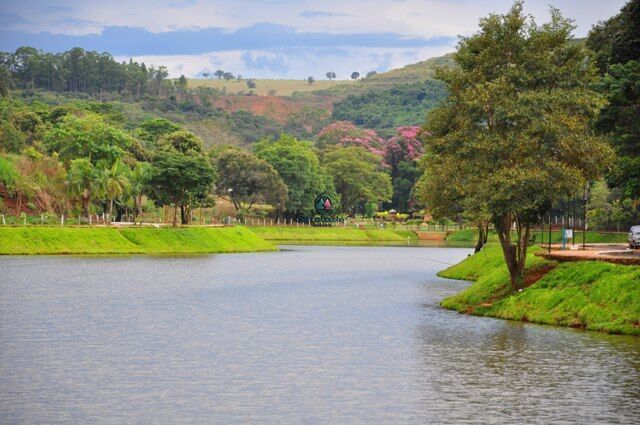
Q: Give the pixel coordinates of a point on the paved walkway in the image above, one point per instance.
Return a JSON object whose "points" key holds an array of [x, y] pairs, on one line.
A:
{"points": [[613, 253]]}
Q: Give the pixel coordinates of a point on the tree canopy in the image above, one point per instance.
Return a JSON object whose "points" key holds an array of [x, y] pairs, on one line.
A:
{"points": [[247, 179], [357, 176], [298, 165]]}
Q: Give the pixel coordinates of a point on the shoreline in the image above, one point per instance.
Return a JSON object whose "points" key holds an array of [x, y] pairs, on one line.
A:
{"points": [[590, 295]]}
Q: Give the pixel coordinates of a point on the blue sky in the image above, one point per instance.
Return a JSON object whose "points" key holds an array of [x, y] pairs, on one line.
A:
{"points": [[267, 38]]}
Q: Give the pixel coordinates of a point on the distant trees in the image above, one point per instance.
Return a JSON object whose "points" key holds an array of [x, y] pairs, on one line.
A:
{"points": [[205, 75], [219, 74], [251, 84], [78, 70], [310, 80], [370, 74], [331, 75], [355, 75], [228, 76]]}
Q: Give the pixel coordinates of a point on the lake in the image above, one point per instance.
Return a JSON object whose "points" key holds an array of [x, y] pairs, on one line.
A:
{"points": [[306, 335]]}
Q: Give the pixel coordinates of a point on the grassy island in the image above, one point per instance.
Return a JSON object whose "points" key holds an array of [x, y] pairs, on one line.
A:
{"points": [[591, 295], [112, 240]]}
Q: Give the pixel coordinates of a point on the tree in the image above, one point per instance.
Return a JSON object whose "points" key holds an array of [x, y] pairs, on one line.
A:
{"points": [[84, 181], [617, 40], [347, 134], [616, 43], [355, 75], [297, 164], [228, 76], [370, 74], [515, 133], [89, 137], [620, 122], [251, 84], [247, 179], [5, 81], [182, 141], [175, 177], [205, 75], [310, 80], [357, 176], [153, 130], [181, 83], [116, 182], [219, 74], [138, 179], [331, 75]]}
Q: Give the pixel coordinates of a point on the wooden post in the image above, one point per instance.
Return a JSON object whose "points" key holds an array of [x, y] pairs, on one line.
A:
{"points": [[62, 220], [4, 223]]}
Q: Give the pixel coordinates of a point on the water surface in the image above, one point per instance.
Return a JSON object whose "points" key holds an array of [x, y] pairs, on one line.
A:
{"points": [[305, 335]]}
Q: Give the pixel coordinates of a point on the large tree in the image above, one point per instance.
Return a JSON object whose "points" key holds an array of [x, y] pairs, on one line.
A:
{"points": [[297, 163], [176, 178], [247, 180], [515, 133], [358, 176]]}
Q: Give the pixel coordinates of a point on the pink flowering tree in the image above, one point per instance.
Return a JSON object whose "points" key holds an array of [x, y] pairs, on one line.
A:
{"points": [[404, 146], [401, 153], [346, 133]]}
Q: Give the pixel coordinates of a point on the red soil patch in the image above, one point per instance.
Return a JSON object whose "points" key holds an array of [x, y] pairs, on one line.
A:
{"points": [[536, 274], [275, 107]]}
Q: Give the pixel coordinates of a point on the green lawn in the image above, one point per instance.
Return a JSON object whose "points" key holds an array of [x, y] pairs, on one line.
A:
{"points": [[332, 234], [109, 240], [589, 294]]}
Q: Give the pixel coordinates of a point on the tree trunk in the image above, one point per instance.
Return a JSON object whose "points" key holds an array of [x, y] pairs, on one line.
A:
{"points": [[514, 254], [482, 236], [138, 208], [175, 214], [184, 214], [110, 210]]}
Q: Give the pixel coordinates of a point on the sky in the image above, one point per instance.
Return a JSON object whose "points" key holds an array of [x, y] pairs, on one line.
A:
{"points": [[268, 38]]}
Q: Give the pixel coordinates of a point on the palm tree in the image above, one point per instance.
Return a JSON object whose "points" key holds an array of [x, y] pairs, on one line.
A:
{"points": [[138, 180], [5, 81], [85, 181], [116, 182]]}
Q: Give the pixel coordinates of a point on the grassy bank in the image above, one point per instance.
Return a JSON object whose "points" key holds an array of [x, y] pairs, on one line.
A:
{"points": [[588, 294], [107, 240], [333, 234]]}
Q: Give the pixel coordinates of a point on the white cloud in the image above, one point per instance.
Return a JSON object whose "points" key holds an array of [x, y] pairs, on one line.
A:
{"points": [[427, 18]]}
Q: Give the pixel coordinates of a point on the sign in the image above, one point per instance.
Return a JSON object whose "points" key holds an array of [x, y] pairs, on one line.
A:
{"points": [[568, 233], [323, 205]]}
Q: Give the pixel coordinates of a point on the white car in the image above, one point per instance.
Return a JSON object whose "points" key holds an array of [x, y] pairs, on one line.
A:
{"points": [[634, 237]]}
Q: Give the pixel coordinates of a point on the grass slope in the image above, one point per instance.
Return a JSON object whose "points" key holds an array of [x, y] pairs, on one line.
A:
{"points": [[588, 294], [265, 87], [107, 240], [332, 234]]}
